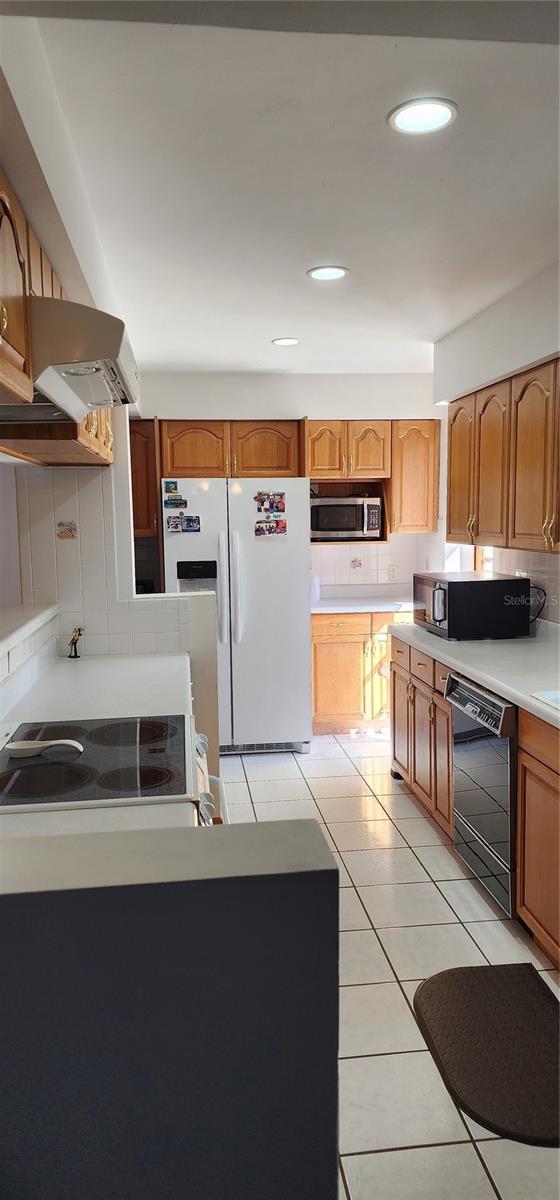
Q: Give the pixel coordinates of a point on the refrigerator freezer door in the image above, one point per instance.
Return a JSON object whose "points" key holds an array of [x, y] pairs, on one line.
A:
{"points": [[271, 623], [207, 500]]}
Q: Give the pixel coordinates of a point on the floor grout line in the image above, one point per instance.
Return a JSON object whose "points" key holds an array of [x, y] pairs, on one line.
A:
{"points": [[370, 927]]}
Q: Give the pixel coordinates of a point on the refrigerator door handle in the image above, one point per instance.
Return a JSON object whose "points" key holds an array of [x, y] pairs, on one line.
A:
{"points": [[236, 587], [222, 588]]}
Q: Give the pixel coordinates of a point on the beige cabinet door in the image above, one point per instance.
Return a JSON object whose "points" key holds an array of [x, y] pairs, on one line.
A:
{"points": [[533, 492], [265, 448], [328, 449], [415, 476], [369, 449], [195, 449], [460, 469], [491, 465]]}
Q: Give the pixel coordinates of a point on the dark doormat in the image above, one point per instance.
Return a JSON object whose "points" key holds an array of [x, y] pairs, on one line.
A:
{"points": [[494, 1035]]}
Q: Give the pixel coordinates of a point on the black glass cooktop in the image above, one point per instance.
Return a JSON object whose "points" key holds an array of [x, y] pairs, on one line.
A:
{"points": [[122, 759]]}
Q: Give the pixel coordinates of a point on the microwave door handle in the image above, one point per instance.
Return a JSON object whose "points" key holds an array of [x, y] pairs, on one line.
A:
{"points": [[438, 605], [365, 528]]}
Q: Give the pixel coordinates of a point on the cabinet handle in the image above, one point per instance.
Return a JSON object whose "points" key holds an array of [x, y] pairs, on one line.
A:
{"points": [[111, 441], [235, 464], [543, 530], [550, 527], [154, 523], [343, 463], [431, 712], [3, 318], [336, 624], [227, 465], [351, 463], [421, 664]]}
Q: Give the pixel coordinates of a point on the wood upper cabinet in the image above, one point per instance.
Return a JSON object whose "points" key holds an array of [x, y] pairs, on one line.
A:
{"points": [[265, 448], [400, 720], [195, 449], [341, 671], [15, 366], [538, 856], [460, 469], [64, 443], [34, 272], [145, 483], [491, 465], [442, 771], [533, 498], [328, 449], [369, 449], [415, 476]]}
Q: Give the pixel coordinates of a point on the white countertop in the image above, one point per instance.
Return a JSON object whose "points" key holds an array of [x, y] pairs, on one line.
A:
{"points": [[513, 668], [141, 685], [360, 604], [19, 621]]}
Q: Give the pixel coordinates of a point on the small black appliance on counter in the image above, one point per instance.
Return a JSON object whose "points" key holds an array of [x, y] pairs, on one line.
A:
{"points": [[472, 604]]}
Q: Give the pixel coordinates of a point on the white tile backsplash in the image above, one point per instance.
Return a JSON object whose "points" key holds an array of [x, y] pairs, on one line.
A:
{"points": [[364, 563], [80, 573]]}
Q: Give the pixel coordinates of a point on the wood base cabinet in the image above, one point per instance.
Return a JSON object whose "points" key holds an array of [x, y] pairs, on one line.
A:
{"points": [[538, 832], [421, 739], [341, 672], [351, 669]]}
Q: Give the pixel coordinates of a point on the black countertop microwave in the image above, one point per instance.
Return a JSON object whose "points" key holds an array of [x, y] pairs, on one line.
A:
{"points": [[472, 604]]}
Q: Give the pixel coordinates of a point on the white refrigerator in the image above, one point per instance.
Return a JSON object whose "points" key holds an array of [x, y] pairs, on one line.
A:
{"points": [[249, 540]]}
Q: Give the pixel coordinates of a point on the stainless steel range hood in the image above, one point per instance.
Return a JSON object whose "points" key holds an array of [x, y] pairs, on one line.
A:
{"points": [[81, 359]]}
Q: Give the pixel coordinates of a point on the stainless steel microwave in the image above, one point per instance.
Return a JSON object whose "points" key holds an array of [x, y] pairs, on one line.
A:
{"points": [[472, 604], [345, 518]]}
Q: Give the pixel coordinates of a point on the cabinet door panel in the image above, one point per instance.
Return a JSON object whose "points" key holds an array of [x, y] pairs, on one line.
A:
{"points": [[327, 449], [47, 277], [145, 490], [415, 477], [422, 717], [369, 449], [460, 469], [491, 465], [264, 448], [35, 279], [195, 449], [443, 764], [532, 458], [15, 366], [341, 682], [538, 840], [400, 720]]}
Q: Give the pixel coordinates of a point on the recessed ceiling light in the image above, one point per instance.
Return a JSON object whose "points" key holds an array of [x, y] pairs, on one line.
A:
{"points": [[422, 116], [328, 273], [285, 341]]}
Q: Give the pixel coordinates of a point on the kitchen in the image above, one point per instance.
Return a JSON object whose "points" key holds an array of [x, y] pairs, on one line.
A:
{"points": [[326, 722]]}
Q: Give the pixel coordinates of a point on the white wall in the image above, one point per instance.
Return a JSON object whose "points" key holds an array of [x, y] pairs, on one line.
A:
{"points": [[516, 332], [10, 585], [175, 395]]}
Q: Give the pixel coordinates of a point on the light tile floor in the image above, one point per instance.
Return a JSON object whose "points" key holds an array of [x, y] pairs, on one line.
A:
{"points": [[408, 907]]}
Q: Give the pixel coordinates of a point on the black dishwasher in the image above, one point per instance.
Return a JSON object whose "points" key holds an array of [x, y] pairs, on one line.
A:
{"points": [[484, 773]]}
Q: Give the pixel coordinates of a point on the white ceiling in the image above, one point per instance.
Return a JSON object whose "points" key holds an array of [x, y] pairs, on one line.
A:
{"points": [[221, 164]]}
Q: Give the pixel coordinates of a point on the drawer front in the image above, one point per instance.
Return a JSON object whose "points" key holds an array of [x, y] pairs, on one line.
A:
{"points": [[541, 740], [400, 653], [340, 624], [422, 666], [440, 675]]}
